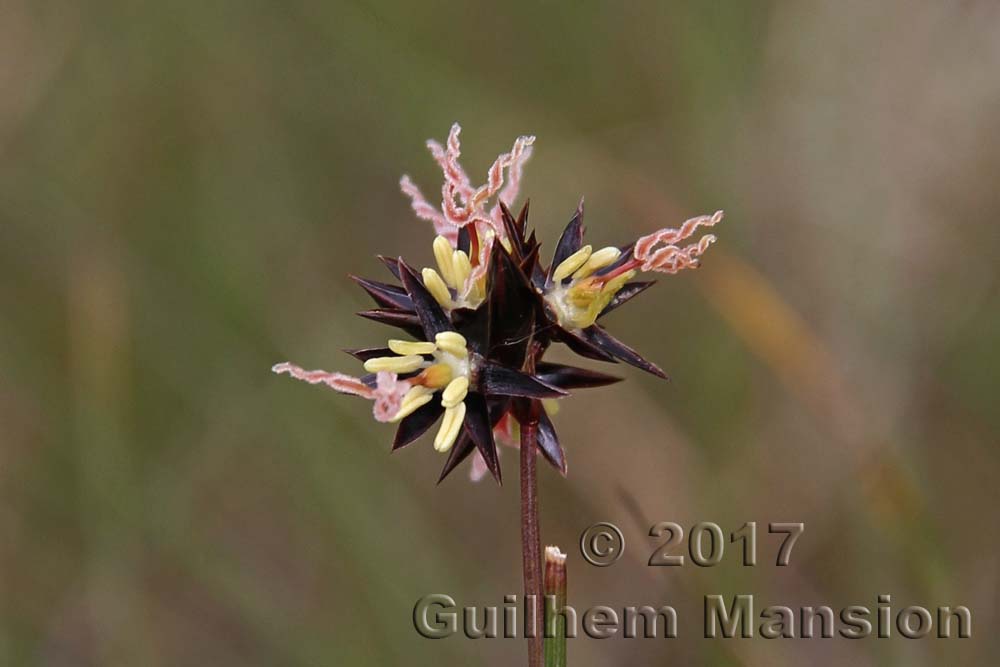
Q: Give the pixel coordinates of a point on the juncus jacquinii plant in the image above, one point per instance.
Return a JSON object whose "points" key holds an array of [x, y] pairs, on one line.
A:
{"points": [[480, 321]]}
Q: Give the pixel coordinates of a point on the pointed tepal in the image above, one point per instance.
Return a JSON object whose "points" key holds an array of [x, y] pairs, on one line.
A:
{"points": [[570, 241], [429, 311]]}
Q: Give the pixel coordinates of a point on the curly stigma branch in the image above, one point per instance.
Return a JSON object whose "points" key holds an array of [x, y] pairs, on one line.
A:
{"points": [[438, 616]]}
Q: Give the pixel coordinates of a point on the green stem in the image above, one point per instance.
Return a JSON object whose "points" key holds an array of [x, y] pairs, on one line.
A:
{"points": [[555, 600]]}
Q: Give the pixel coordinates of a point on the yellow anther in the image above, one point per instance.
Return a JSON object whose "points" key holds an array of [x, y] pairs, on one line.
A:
{"points": [[406, 364], [618, 282], [415, 398], [572, 263], [505, 242], [408, 347], [451, 425], [415, 393], [551, 406], [452, 342], [598, 260], [461, 268], [435, 285], [455, 392], [442, 255], [436, 376]]}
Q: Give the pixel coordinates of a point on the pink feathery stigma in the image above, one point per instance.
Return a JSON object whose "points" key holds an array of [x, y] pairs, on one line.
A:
{"points": [[462, 204], [519, 155], [389, 392], [425, 211], [506, 161], [513, 163], [455, 213], [672, 259], [671, 236], [668, 258], [346, 384], [421, 206], [448, 160], [456, 181]]}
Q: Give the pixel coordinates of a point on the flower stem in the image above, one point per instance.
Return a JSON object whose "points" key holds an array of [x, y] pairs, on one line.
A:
{"points": [[531, 541]]}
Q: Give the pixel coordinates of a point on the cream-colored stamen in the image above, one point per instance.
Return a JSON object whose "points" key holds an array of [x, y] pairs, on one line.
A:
{"points": [[598, 260], [406, 364], [572, 263], [442, 255], [435, 285], [410, 347], [580, 303], [451, 425], [615, 284], [455, 392], [452, 342], [415, 398], [461, 268]]}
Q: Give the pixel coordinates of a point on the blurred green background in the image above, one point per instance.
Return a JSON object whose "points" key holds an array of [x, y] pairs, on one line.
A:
{"points": [[184, 187]]}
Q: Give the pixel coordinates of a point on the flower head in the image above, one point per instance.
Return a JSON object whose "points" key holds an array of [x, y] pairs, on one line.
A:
{"points": [[464, 206], [481, 320]]}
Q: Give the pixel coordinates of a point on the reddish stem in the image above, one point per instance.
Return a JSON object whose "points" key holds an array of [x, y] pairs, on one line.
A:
{"points": [[531, 546]]}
